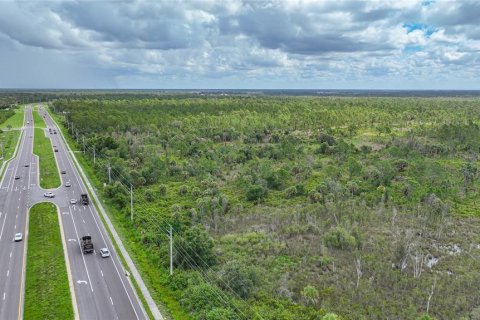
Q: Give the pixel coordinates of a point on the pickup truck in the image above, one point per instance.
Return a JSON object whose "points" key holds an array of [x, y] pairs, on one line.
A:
{"points": [[87, 244], [84, 199]]}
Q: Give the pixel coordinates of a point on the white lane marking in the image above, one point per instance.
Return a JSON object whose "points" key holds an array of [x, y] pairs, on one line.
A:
{"points": [[101, 272], [8, 272], [10, 254], [81, 282], [65, 213], [111, 300], [1, 233], [15, 227], [83, 220], [16, 216], [114, 264], [4, 296], [70, 240], [83, 256]]}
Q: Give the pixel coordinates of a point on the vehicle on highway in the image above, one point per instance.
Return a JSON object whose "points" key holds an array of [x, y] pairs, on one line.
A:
{"points": [[68, 184], [64, 171], [27, 164], [17, 177], [87, 244], [49, 194], [18, 237], [28, 122], [73, 201], [56, 150], [84, 198], [104, 253]]}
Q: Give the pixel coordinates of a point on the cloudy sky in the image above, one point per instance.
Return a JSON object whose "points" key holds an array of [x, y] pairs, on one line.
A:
{"points": [[395, 44]]}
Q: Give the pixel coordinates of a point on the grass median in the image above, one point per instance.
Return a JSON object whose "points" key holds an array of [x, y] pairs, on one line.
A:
{"points": [[47, 294], [37, 120], [42, 147]]}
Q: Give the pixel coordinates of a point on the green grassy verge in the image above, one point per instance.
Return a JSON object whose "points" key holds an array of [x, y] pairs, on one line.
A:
{"points": [[15, 121], [47, 294], [161, 294], [48, 166], [37, 120], [8, 140]]}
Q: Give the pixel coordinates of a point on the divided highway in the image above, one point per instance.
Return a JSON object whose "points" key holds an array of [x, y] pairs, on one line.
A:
{"points": [[102, 289], [15, 192]]}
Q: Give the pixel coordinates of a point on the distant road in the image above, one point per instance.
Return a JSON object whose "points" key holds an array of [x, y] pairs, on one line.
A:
{"points": [[102, 289]]}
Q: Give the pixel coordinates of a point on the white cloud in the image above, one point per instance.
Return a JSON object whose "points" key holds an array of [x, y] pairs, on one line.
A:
{"points": [[261, 43]]}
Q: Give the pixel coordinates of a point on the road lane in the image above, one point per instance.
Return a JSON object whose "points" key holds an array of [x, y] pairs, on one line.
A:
{"points": [[103, 291]]}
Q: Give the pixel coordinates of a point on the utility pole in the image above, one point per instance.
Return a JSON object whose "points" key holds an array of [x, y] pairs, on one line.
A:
{"points": [[131, 202], [83, 139], [170, 236], [109, 174], [94, 156]]}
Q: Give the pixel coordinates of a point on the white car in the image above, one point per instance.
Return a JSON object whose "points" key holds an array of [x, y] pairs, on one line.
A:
{"points": [[104, 253], [68, 184], [49, 195], [73, 201], [18, 237]]}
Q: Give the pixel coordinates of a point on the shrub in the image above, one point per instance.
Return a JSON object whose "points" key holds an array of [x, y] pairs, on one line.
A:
{"points": [[324, 137], [310, 294], [240, 279], [315, 196], [290, 192], [340, 238], [149, 195], [256, 193], [196, 248], [196, 192], [183, 190], [162, 189]]}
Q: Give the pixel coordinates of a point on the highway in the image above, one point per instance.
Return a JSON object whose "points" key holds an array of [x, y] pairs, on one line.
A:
{"points": [[102, 289], [14, 204]]}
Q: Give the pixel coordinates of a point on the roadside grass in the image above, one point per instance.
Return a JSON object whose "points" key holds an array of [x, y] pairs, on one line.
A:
{"points": [[15, 121], [47, 293], [155, 280], [42, 147], [8, 140], [37, 120]]}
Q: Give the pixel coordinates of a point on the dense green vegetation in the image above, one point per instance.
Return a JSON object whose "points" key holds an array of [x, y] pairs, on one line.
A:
{"points": [[47, 294], [292, 207], [9, 119], [42, 147]]}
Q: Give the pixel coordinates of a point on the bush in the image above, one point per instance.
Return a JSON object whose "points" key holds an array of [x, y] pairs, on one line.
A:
{"points": [[256, 193], [239, 279], [290, 192], [340, 238], [196, 248], [149, 196], [162, 190], [183, 190], [196, 192]]}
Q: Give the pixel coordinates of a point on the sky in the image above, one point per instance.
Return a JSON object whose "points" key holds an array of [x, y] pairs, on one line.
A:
{"points": [[296, 44]]}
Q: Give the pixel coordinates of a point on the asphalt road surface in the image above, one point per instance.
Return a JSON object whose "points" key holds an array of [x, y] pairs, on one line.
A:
{"points": [[14, 204], [102, 288]]}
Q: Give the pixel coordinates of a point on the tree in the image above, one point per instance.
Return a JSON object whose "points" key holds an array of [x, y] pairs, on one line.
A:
{"points": [[310, 294], [238, 278], [256, 192], [195, 248]]}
